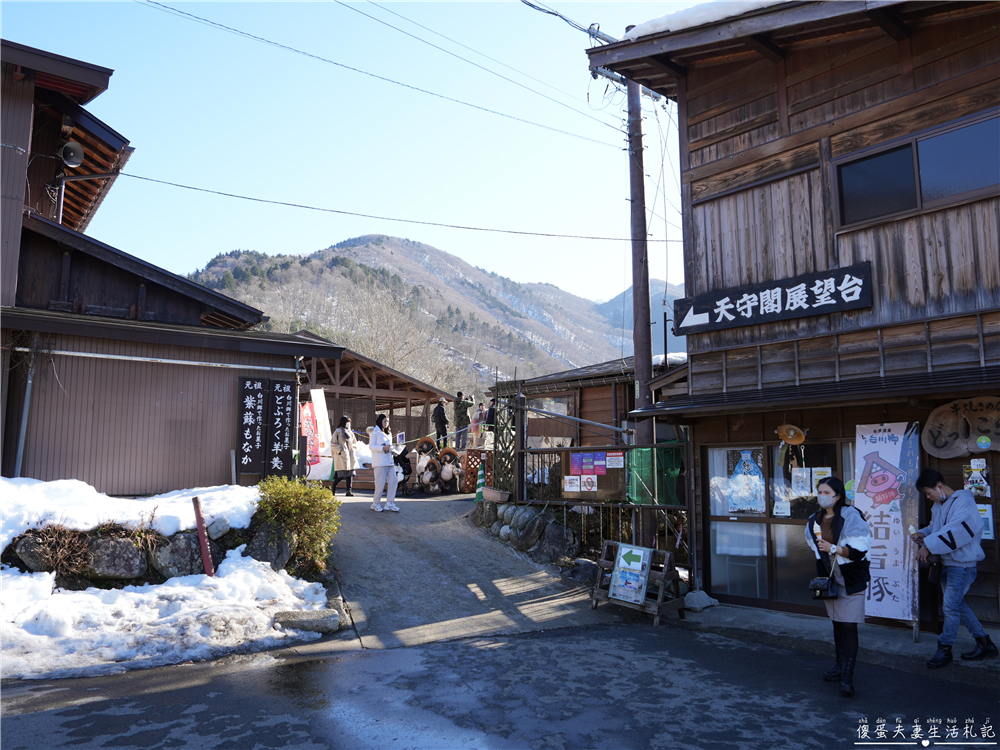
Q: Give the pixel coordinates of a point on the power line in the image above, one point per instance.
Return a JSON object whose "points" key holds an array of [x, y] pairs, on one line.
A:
{"points": [[466, 60], [379, 218], [287, 48]]}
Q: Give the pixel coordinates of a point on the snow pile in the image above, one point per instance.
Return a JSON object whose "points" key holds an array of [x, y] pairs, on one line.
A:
{"points": [[697, 15], [50, 632], [77, 505]]}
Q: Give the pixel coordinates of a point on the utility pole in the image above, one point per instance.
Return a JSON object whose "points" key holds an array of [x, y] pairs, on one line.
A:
{"points": [[641, 333]]}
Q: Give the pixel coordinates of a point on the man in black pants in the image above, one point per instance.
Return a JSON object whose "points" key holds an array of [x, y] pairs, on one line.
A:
{"points": [[441, 424]]}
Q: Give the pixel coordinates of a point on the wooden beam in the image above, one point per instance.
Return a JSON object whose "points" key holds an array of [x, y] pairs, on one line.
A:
{"points": [[779, 82], [668, 66], [64, 279], [764, 46], [889, 22]]}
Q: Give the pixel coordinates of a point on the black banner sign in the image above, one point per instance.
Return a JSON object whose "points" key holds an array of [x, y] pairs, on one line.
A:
{"points": [[280, 415], [253, 416], [831, 291]]}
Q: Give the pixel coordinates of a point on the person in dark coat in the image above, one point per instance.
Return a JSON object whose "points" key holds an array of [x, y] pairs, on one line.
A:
{"points": [[462, 422], [491, 416], [440, 420]]}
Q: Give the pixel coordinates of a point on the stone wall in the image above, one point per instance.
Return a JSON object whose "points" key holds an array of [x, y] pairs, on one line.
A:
{"points": [[527, 530]]}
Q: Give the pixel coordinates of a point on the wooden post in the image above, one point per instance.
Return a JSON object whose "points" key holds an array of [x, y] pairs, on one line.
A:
{"points": [[206, 553], [641, 334]]}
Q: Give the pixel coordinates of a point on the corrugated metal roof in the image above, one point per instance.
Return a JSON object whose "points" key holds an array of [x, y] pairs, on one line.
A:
{"points": [[259, 342]]}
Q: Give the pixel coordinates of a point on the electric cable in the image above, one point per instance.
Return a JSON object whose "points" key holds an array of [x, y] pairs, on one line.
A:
{"points": [[373, 216], [470, 62], [287, 48]]}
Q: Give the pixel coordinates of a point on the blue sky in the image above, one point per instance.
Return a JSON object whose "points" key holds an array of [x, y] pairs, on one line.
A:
{"points": [[212, 109]]}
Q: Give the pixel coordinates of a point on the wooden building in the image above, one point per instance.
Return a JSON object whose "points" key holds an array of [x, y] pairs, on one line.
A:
{"points": [[115, 371], [361, 388], [841, 203]]}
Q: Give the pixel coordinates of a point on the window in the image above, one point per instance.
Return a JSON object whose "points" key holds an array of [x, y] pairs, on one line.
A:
{"points": [[936, 168]]}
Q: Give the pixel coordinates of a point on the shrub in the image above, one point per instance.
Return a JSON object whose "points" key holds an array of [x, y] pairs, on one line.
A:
{"points": [[306, 509]]}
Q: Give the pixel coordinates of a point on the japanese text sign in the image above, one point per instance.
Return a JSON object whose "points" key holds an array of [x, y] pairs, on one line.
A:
{"points": [[836, 290], [253, 419], [887, 467]]}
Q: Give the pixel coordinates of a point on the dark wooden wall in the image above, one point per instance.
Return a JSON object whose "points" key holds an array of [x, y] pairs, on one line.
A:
{"points": [[15, 124], [832, 424], [94, 285], [757, 188], [132, 428]]}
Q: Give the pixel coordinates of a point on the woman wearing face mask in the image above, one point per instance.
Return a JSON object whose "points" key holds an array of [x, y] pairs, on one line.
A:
{"points": [[345, 463], [839, 533]]}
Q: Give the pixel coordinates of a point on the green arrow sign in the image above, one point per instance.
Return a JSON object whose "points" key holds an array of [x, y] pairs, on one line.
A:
{"points": [[630, 557]]}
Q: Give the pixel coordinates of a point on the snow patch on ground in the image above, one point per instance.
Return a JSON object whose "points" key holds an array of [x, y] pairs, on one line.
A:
{"points": [[50, 632]]}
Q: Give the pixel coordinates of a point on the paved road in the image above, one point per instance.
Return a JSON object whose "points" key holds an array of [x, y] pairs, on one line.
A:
{"points": [[464, 644], [427, 574], [617, 686]]}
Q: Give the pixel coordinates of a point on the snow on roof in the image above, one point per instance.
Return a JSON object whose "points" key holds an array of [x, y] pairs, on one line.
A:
{"points": [[697, 15]]}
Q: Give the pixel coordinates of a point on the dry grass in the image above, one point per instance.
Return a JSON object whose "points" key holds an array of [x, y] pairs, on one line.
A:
{"points": [[66, 551]]}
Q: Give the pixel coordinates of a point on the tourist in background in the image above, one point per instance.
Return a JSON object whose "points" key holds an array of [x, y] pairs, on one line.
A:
{"points": [[380, 443], [345, 462], [440, 420], [461, 422], [478, 418]]}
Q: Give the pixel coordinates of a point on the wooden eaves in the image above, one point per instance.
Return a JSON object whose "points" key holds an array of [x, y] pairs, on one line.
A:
{"points": [[356, 376], [659, 61]]}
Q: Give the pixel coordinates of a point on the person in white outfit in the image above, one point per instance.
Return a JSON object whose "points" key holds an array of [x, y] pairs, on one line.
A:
{"points": [[380, 443]]}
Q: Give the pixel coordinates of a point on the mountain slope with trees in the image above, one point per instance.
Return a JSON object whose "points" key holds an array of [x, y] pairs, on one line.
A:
{"points": [[423, 311]]}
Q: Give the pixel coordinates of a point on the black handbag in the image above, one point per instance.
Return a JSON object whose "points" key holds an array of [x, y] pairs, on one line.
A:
{"points": [[933, 568], [825, 587]]}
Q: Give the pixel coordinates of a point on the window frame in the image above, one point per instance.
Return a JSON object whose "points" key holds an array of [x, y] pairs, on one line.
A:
{"points": [[912, 141]]}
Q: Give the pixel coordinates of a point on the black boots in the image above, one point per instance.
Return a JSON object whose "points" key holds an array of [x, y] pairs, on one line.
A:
{"points": [[984, 648], [847, 678], [833, 675], [942, 657]]}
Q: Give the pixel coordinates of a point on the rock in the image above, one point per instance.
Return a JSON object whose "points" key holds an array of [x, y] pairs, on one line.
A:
{"points": [[522, 516], [217, 528], [272, 545], [509, 509], [485, 514], [531, 532], [112, 559], [27, 550], [696, 601], [505, 533], [585, 571], [181, 556], [556, 542], [313, 620], [495, 528]]}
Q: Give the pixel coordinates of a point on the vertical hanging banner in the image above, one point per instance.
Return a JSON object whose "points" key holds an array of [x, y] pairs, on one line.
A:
{"points": [[888, 462], [310, 430], [253, 419], [278, 459]]}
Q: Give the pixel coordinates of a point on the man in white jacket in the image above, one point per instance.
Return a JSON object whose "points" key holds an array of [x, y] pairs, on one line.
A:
{"points": [[955, 533]]}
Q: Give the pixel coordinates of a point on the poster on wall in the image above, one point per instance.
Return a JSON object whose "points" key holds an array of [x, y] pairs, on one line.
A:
{"points": [[310, 431], [253, 419], [977, 478], [747, 493], [280, 411], [887, 466]]}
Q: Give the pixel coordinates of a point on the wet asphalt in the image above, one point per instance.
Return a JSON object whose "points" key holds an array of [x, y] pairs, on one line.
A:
{"points": [[461, 644]]}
